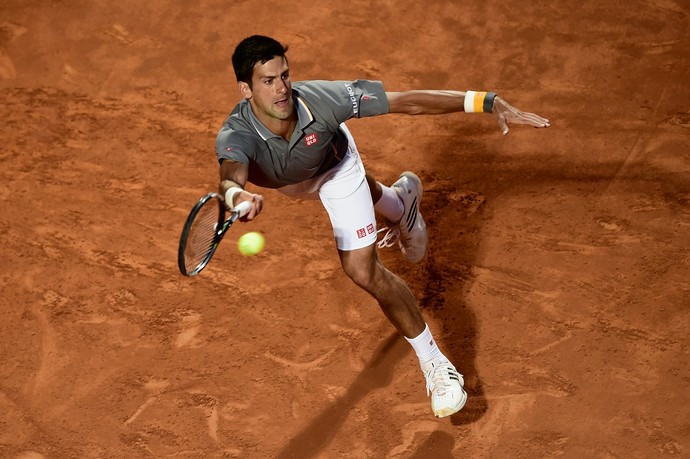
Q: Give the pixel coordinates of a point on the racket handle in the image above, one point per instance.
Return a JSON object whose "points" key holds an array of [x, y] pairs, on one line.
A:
{"points": [[242, 208]]}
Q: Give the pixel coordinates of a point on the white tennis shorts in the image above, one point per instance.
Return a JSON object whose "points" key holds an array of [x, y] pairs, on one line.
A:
{"points": [[345, 194]]}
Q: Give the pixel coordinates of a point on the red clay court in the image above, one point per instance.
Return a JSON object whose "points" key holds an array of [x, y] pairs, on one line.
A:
{"points": [[557, 278]]}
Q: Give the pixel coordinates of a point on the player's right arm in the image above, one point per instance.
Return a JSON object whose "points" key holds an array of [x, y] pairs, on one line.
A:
{"points": [[233, 178]]}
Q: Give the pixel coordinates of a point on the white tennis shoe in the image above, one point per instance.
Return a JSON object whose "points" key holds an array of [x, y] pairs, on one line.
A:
{"points": [[444, 384], [411, 230]]}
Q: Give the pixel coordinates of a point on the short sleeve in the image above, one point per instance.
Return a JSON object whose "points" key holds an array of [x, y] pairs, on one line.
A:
{"points": [[344, 99], [371, 98], [233, 145]]}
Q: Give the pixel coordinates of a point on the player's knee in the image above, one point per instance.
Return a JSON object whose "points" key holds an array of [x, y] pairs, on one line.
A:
{"points": [[361, 270], [360, 275]]}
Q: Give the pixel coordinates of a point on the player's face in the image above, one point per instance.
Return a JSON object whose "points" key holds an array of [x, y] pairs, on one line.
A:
{"points": [[271, 91]]}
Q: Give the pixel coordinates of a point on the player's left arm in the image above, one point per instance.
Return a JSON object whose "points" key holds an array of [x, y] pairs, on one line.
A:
{"points": [[435, 102]]}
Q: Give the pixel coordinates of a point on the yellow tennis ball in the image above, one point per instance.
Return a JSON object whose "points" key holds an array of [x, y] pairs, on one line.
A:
{"points": [[251, 243]]}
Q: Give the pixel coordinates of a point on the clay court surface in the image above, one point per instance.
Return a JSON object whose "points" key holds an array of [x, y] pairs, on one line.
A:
{"points": [[557, 277]]}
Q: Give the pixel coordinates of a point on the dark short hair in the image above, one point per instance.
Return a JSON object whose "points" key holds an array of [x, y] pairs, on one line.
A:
{"points": [[253, 50]]}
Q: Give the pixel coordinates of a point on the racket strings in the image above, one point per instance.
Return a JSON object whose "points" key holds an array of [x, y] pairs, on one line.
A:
{"points": [[202, 235]]}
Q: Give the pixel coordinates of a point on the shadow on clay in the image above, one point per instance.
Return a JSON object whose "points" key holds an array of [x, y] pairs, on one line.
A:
{"points": [[447, 268], [377, 373], [438, 445]]}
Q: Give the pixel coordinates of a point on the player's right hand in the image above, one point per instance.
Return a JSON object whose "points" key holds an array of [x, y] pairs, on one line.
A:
{"points": [[257, 202]]}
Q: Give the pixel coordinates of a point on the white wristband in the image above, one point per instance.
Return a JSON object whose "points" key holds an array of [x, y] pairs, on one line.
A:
{"points": [[469, 101], [230, 196]]}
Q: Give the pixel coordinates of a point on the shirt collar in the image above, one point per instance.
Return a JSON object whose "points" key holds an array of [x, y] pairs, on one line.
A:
{"points": [[304, 116]]}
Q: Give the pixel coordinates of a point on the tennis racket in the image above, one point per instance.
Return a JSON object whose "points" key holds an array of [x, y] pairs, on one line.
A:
{"points": [[204, 229]]}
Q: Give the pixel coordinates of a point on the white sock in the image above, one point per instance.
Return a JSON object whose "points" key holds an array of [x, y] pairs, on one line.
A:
{"points": [[425, 347], [390, 206]]}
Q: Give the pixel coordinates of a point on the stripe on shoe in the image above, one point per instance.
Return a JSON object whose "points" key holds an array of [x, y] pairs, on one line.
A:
{"points": [[412, 216]]}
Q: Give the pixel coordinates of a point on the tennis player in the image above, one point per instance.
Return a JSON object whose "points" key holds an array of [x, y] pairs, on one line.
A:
{"points": [[292, 137]]}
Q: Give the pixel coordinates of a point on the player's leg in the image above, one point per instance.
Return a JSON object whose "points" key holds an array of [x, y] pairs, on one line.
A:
{"points": [[443, 382], [396, 300], [376, 190], [346, 196]]}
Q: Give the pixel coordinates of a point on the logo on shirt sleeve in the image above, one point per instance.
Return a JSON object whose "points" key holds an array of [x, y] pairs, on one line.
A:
{"points": [[353, 98], [310, 140]]}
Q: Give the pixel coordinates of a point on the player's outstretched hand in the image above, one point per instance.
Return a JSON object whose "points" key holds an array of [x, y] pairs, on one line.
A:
{"points": [[257, 203], [506, 113]]}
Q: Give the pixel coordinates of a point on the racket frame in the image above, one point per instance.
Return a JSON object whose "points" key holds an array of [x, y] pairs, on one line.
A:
{"points": [[221, 228]]}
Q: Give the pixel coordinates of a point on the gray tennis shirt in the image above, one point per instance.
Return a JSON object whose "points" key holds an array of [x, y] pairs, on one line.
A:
{"points": [[315, 146]]}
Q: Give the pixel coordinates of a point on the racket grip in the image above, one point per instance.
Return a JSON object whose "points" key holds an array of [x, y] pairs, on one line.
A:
{"points": [[242, 208]]}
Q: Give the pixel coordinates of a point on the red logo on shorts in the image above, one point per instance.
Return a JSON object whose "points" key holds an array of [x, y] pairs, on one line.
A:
{"points": [[310, 140], [361, 233], [370, 228]]}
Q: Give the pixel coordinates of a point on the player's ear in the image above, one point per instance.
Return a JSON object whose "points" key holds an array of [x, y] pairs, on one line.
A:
{"points": [[245, 89]]}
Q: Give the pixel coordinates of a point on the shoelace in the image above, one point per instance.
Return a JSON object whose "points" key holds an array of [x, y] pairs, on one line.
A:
{"points": [[437, 378], [389, 238]]}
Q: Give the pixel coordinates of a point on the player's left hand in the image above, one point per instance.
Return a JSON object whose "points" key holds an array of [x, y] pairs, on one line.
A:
{"points": [[506, 113]]}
